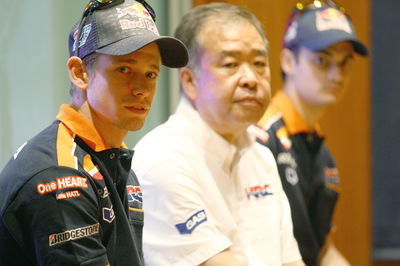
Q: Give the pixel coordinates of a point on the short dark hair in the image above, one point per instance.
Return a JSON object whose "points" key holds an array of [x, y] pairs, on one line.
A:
{"points": [[193, 22]]}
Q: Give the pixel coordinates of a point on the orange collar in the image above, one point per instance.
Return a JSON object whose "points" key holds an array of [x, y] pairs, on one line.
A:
{"points": [[281, 103], [73, 120]]}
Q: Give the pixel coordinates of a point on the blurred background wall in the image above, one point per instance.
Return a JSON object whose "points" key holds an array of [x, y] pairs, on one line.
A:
{"points": [[362, 130]]}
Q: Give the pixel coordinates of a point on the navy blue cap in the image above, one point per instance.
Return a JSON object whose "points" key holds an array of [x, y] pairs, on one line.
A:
{"points": [[316, 29], [123, 29]]}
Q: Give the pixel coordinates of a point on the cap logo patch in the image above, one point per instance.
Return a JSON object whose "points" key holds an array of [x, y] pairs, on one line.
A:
{"points": [[84, 35], [291, 32], [136, 10], [332, 19], [142, 17]]}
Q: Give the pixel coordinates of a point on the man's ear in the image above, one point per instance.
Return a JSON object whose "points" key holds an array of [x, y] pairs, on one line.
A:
{"points": [[77, 72], [288, 61], [189, 84]]}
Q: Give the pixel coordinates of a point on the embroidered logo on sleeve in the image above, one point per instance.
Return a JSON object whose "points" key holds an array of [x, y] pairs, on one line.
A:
{"points": [[108, 214], [62, 183], [192, 223], [258, 191], [134, 193], [68, 194], [81, 232]]}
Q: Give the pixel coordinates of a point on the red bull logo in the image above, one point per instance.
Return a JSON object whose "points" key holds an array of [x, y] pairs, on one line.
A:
{"points": [[136, 10], [332, 19]]}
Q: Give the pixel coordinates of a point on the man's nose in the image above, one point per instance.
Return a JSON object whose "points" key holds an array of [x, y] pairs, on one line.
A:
{"points": [[248, 78]]}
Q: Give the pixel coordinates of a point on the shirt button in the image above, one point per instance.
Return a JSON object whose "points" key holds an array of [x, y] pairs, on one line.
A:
{"points": [[112, 155]]}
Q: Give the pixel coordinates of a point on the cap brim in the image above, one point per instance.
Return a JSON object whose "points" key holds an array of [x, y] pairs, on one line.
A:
{"points": [[325, 40], [173, 51]]}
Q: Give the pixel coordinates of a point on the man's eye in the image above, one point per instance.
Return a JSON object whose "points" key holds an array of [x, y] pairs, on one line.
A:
{"points": [[260, 63], [151, 75], [123, 69], [230, 65], [322, 61]]}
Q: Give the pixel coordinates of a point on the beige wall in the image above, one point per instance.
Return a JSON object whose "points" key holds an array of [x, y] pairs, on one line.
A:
{"points": [[347, 126]]}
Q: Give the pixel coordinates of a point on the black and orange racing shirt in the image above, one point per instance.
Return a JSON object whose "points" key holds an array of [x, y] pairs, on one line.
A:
{"points": [[66, 198], [308, 173]]}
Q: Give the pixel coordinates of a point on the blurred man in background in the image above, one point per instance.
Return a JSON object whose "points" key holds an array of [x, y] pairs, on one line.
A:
{"points": [[316, 60]]}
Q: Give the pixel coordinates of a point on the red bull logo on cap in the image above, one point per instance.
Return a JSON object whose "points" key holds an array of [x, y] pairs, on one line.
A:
{"points": [[142, 18], [332, 19], [136, 10]]}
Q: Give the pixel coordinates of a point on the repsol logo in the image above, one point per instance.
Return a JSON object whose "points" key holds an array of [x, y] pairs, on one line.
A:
{"points": [[191, 223]]}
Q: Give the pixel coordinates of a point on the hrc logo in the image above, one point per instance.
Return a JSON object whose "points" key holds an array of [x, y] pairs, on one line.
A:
{"points": [[258, 191], [134, 193]]}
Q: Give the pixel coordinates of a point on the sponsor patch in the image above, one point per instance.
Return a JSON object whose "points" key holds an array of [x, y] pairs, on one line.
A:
{"points": [[142, 17], [108, 214], [291, 32], [62, 183], [291, 176], [68, 194], [332, 19], [84, 35], [127, 24], [331, 176], [286, 158], [135, 10], [134, 193], [258, 191], [103, 192], [55, 239], [192, 223]]}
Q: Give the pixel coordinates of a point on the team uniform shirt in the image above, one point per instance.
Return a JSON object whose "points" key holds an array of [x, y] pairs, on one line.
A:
{"points": [[203, 195], [308, 173], [66, 198]]}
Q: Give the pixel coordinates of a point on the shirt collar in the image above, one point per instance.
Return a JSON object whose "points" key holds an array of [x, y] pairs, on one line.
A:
{"points": [[80, 126], [216, 146]]}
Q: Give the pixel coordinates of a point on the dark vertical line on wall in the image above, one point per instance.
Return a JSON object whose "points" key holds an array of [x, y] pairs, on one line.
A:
{"points": [[386, 129]]}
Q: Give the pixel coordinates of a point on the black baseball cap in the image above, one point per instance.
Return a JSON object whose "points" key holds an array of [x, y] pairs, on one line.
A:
{"points": [[122, 29], [316, 29]]}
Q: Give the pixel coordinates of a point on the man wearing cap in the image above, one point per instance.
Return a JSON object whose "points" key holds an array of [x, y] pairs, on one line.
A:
{"points": [[212, 194], [319, 47], [68, 196]]}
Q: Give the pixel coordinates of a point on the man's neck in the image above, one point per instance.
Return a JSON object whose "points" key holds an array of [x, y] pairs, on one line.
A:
{"points": [[311, 114], [112, 135]]}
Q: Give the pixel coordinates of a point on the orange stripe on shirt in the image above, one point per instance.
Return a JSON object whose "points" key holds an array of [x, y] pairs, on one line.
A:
{"points": [[66, 147]]}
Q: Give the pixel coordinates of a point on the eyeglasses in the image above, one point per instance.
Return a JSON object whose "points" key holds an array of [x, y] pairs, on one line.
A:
{"points": [[103, 4]]}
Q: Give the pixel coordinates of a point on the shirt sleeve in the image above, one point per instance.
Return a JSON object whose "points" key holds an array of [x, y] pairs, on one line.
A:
{"points": [[54, 217], [179, 227]]}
